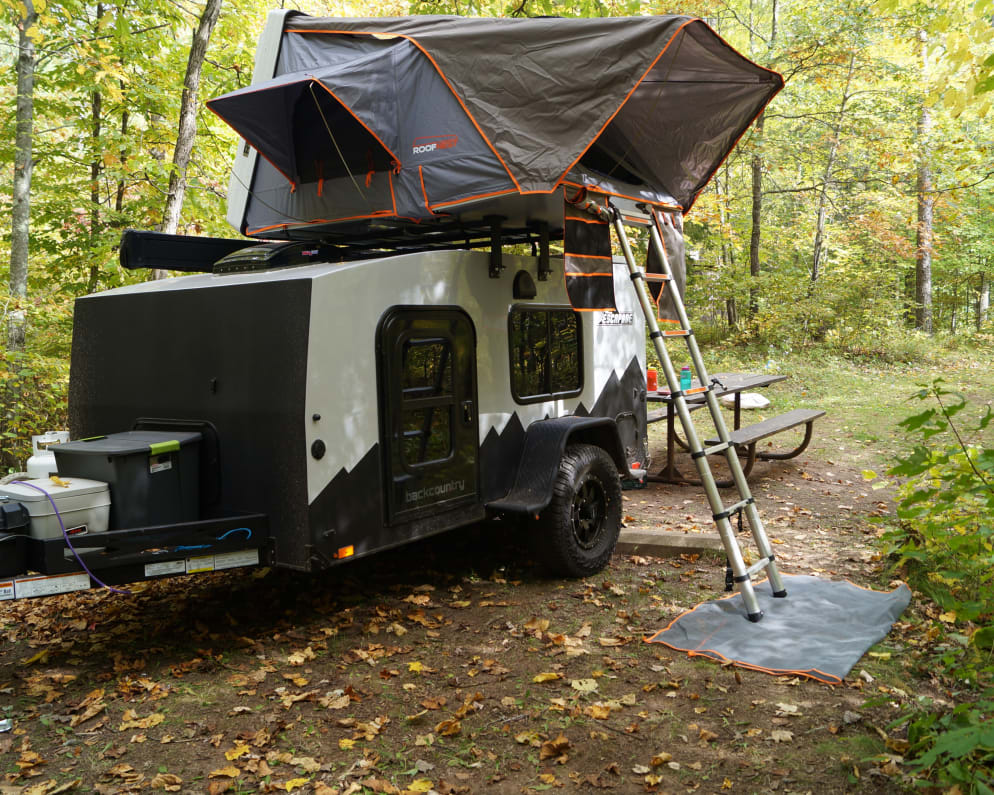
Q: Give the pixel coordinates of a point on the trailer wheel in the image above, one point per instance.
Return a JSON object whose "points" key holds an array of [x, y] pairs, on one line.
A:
{"points": [[580, 526]]}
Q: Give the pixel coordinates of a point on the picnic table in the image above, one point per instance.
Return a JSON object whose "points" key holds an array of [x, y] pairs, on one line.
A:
{"points": [[744, 439]]}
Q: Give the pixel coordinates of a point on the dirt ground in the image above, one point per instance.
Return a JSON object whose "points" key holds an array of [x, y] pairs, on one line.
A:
{"points": [[455, 666]]}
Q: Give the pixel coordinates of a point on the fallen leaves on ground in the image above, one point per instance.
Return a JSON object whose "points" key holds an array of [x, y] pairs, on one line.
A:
{"points": [[167, 781], [555, 749], [222, 772], [89, 707], [131, 720], [448, 728]]}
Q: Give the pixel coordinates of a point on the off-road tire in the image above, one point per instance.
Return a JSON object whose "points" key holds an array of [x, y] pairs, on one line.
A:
{"points": [[578, 530]]}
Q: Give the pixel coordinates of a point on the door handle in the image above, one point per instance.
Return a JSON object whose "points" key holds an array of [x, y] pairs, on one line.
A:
{"points": [[467, 411]]}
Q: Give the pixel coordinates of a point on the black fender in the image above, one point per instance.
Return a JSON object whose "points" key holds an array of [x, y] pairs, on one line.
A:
{"points": [[545, 442]]}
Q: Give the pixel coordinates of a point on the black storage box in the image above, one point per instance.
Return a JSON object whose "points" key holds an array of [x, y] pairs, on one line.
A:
{"points": [[14, 520], [154, 476]]}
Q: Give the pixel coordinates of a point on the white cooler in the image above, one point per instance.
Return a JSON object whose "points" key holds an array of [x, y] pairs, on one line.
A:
{"points": [[84, 506]]}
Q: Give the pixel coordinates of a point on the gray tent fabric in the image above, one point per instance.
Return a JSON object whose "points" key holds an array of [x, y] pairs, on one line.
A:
{"points": [[820, 630], [440, 119], [542, 90]]}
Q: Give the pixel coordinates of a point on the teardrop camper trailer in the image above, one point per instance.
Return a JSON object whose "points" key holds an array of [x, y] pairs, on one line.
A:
{"points": [[369, 363]]}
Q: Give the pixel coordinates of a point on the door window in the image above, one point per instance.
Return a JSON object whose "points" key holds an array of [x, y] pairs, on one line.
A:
{"points": [[426, 401], [427, 369]]}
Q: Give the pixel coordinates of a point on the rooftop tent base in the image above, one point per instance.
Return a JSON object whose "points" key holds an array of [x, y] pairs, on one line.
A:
{"points": [[147, 250]]}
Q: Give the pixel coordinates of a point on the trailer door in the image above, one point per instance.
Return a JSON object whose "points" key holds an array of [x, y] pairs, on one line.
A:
{"points": [[428, 416]]}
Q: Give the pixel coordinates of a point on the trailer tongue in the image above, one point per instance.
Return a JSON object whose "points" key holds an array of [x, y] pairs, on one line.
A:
{"points": [[147, 485]]}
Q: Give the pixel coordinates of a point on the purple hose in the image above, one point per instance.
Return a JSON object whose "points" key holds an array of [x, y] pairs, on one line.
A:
{"points": [[65, 535]]}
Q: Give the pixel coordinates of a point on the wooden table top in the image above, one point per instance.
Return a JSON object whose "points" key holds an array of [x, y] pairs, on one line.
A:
{"points": [[728, 384]]}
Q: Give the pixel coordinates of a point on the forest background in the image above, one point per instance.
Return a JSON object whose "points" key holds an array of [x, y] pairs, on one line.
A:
{"points": [[857, 210]]}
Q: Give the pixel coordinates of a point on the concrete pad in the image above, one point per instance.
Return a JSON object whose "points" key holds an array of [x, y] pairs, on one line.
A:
{"points": [[666, 543]]}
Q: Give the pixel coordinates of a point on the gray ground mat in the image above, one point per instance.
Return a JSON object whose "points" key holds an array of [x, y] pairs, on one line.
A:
{"points": [[820, 630]]}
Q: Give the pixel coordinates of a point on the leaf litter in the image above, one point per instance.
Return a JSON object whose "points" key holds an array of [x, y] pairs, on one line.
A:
{"points": [[286, 683]]}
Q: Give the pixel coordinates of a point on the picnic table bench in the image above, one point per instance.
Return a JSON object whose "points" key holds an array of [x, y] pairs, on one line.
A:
{"points": [[744, 438], [748, 436]]}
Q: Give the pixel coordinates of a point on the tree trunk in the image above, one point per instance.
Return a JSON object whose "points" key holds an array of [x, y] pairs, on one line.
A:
{"points": [[20, 216], [731, 312], [758, 166], [121, 185], [908, 296], [187, 121], [829, 165], [923, 237], [726, 254], [926, 210], [94, 280], [983, 300], [757, 217], [96, 165]]}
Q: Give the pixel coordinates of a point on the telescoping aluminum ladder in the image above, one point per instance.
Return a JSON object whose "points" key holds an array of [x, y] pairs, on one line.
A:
{"points": [[741, 573]]}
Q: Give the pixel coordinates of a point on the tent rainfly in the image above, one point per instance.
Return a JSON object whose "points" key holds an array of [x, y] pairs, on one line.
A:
{"points": [[416, 123]]}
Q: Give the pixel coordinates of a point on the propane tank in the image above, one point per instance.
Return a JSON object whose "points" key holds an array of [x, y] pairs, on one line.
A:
{"points": [[42, 462]]}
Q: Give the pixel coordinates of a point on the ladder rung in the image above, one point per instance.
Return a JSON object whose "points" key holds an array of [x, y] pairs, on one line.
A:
{"points": [[695, 390], [731, 511], [677, 333], [657, 277], [758, 566], [721, 447]]}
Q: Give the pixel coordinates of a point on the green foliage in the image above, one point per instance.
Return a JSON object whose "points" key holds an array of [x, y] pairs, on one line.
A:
{"points": [[945, 541], [947, 506], [33, 394], [960, 747]]}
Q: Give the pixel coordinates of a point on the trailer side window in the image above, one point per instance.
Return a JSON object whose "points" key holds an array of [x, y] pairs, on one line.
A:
{"points": [[426, 401], [545, 353]]}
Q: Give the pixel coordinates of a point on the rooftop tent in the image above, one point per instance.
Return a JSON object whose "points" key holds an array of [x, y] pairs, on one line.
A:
{"points": [[386, 126]]}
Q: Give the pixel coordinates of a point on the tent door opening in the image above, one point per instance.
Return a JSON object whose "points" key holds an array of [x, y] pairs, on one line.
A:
{"points": [[429, 424]]}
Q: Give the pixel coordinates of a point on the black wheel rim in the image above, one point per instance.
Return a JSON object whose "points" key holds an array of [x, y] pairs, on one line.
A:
{"points": [[587, 513]]}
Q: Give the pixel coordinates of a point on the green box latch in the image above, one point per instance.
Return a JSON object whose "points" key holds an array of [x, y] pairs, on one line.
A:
{"points": [[159, 448]]}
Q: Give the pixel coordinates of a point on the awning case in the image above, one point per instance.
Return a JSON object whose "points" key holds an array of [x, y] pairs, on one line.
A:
{"points": [[389, 122]]}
